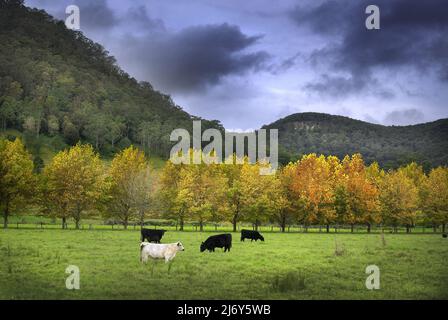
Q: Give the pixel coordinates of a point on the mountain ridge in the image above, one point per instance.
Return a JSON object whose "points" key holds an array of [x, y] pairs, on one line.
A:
{"points": [[391, 146]]}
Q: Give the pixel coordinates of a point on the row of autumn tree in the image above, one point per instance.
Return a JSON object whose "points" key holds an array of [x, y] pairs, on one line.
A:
{"points": [[314, 190]]}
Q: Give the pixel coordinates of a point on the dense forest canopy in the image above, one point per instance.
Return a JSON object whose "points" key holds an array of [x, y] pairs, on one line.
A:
{"points": [[390, 146], [56, 82]]}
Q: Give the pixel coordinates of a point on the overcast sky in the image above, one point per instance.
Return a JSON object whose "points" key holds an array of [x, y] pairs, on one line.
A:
{"points": [[248, 63]]}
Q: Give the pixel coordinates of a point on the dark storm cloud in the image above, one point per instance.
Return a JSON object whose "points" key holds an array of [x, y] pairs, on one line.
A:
{"points": [[336, 86], [96, 14], [324, 18], [412, 35], [285, 64], [196, 56], [139, 17]]}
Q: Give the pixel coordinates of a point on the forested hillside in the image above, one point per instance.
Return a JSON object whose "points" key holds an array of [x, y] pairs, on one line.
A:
{"points": [[390, 146], [59, 87]]}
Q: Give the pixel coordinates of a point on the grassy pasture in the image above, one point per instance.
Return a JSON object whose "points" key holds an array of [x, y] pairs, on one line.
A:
{"points": [[285, 266]]}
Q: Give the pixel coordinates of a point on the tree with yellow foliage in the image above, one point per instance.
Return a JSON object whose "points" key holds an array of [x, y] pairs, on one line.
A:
{"points": [[234, 193], [73, 182], [17, 181], [290, 209], [128, 188], [399, 199], [435, 202], [168, 192], [261, 194], [202, 193]]}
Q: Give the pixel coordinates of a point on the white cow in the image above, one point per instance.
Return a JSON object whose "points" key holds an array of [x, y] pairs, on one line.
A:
{"points": [[165, 251]]}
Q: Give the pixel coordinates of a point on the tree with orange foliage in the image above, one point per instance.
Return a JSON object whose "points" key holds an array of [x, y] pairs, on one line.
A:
{"points": [[362, 195], [313, 185]]}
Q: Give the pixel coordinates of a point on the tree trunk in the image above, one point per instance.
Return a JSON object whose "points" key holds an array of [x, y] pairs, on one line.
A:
{"points": [[5, 216], [64, 224], [443, 227], [125, 223], [368, 228], [256, 225], [351, 228], [201, 226], [234, 222], [328, 228], [181, 224], [408, 229], [142, 217], [283, 223]]}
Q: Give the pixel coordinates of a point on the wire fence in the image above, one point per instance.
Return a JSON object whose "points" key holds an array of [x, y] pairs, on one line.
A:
{"points": [[356, 229]]}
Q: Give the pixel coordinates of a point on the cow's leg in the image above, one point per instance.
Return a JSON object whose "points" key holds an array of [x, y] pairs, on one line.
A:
{"points": [[153, 266]]}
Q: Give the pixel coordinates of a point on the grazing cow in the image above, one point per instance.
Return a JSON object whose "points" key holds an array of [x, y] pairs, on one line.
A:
{"points": [[444, 235], [218, 241], [252, 235], [159, 251], [152, 235]]}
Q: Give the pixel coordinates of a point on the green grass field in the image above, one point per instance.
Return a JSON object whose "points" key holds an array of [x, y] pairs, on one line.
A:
{"points": [[285, 266]]}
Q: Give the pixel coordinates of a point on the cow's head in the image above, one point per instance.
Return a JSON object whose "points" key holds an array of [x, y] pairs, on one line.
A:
{"points": [[203, 247], [180, 246], [261, 238], [142, 245]]}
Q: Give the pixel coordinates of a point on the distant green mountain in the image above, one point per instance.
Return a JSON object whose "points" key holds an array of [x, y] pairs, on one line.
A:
{"points": [[390, 146], [58, 84]]}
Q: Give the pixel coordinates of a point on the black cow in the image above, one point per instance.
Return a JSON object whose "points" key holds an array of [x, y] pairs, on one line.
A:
{"points": [[445, 235], [252, 235], [152, 235], [218, 241]]}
